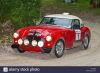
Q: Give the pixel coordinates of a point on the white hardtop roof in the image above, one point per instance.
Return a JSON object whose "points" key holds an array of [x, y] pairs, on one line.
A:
{"points": [[64, 15]]}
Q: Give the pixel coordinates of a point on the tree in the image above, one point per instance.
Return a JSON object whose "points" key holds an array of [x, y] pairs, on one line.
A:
{"points": [[95, 3]]}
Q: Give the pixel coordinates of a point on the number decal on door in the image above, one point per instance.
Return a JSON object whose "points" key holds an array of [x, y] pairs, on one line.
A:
{"points": [[78, 34]]}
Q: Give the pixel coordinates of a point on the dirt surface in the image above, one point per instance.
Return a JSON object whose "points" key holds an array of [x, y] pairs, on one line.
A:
{"points": [[73, 57]]}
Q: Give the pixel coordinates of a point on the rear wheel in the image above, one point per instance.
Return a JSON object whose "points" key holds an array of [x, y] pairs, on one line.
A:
{"points": [[85, 42], [59, 48]]}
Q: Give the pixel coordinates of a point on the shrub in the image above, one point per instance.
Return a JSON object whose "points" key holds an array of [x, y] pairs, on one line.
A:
{"points": [[20, 12]]}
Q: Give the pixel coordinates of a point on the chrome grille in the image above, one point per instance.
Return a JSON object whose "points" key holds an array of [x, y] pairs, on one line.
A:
{"points": [[30, 38]]}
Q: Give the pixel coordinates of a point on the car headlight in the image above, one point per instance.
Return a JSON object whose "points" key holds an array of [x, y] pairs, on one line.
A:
{"points": [[34, 43], [20, 41], [40, 43], [26, 42], [48, 38], [15, 35]]}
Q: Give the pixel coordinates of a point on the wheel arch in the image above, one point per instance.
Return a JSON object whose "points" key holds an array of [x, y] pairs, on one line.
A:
{"points": [[59, 38], [85, 31]]}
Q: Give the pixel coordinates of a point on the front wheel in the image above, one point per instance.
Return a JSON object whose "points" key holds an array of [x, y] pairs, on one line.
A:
{"points": [[59, 48]]}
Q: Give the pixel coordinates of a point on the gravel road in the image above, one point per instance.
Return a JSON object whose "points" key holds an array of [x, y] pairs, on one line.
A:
{"points": [[73, 57]]}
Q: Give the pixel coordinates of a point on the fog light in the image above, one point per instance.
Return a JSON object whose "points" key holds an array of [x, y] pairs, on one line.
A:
{"points": [[20, 41], [34, 43], [40, 43], [26, 42]]}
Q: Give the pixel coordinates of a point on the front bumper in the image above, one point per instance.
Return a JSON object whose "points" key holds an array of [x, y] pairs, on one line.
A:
{"points": [[32, 49]]}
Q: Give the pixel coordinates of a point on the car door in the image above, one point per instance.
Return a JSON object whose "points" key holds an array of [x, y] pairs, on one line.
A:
{"points": [[76, 27]]}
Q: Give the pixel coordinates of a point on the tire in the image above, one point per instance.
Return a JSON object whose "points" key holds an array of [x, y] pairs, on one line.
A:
{"points": [[59, 48], [85, 42], [18, 50]]}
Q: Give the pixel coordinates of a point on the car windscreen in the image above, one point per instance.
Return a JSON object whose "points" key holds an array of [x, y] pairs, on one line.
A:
{"points": [[56, 21]]}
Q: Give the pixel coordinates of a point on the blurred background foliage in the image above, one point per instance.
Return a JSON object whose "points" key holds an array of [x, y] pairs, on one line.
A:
{"points": [[73, 6], [21, 12], [24, 13]]}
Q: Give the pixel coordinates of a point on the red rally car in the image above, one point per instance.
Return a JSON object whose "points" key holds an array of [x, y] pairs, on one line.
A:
{"points": [[54, 34]]}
